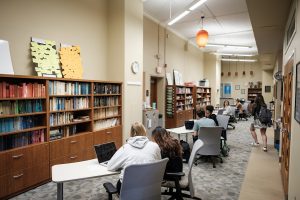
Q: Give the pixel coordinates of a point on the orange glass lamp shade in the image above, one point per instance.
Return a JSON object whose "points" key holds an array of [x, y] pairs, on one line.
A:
{"points": [[201, 38]]}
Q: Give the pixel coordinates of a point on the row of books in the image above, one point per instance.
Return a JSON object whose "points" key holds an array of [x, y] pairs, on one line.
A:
{"points": [[188, 90], [61, 132], [19, 140], [100, 88], [180, 90], [106, 112], [69, 88], [20, 106], [18, 123], [203, 90], [106, 101], [101, 124], [21, 90], [69, 103], [61, 118]]}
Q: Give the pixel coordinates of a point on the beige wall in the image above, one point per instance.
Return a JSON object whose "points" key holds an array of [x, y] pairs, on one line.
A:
{"points": [[174, 51], [80, 22], [212, 72], [240, 80], [294, 175], [267, 80]]}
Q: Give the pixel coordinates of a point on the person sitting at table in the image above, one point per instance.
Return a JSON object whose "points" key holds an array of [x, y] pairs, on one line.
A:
{"points": [[228, 110], [209, 109], [169, 148], [201, 121], [137, 150]]}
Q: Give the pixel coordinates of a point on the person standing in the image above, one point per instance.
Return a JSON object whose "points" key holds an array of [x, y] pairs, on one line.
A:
{"points": [[258, 104], [137, 150]]}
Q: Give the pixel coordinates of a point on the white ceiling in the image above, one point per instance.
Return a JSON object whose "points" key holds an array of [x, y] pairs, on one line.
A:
{"points": [[256, 23], [227, 22]]}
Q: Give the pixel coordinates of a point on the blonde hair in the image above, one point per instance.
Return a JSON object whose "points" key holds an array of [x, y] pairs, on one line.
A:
{"points": [[137, 129]]}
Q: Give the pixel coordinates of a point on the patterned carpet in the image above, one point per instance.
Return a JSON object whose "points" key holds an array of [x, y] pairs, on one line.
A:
{"points": [[221, 183]]}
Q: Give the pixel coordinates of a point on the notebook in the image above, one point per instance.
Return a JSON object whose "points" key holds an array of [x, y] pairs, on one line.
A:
{"points": [[104, 152]]}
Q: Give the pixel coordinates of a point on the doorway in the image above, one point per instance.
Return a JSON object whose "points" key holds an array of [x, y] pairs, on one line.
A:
{"points": [[153, 91], [286, 124]]}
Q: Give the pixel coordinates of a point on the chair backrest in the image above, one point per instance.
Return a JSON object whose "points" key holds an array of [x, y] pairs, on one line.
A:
{"points": [[196, 147], [143, 181], [211, 137], [223, 120]]}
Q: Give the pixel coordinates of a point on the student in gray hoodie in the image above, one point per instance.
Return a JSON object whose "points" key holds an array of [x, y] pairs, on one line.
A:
{"points": [[138, 150]]}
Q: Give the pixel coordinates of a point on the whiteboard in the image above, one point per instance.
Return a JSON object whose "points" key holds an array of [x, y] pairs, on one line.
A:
{"points": [[5, 59]]}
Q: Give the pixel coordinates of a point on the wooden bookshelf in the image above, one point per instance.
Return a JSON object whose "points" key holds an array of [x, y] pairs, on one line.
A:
{"points": [[31, 149], [202, 96], [253, 92]]}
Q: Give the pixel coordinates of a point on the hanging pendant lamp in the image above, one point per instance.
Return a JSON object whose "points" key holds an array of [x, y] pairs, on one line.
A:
{"points": [[229, 72], [244, 72], [202, 36], [236, 72]]}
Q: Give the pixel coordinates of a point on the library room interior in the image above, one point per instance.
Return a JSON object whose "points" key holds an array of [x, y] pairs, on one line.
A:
{"points": [[150, 99]]}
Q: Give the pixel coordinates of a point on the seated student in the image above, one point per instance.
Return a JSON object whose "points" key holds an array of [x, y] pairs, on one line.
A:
{"points": [[137, 150], [239, 106], [228, 109], [201, 121], [209, 114], [169, 148]]}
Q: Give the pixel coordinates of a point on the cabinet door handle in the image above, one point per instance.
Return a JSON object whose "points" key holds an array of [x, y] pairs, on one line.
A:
{"points": [[73, 157], [17, 156], [18, 176], [73, 142], [108, 132]]}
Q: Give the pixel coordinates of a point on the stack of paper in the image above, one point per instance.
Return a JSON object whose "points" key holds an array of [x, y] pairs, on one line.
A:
{"points": [[71, 62]]}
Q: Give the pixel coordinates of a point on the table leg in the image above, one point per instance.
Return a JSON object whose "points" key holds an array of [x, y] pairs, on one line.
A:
{"points": [[178, 137], [60, 191], [186, 137]]}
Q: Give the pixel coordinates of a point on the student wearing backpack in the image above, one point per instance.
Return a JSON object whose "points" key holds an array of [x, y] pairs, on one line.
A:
{"points": [[260, 121]]}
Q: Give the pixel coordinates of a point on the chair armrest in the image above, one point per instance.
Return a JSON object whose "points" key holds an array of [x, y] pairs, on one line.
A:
{"points": [[110, 188], [175, 174]]}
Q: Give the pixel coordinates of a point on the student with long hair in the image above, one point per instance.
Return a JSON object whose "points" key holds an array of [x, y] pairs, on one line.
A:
{"points": [[137, 150], [258, 104], [169, 148]]}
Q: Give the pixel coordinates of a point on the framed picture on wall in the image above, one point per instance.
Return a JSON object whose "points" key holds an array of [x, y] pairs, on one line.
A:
{"points": [[242, 91], [237, 87], [267, 89], [297, 99]]}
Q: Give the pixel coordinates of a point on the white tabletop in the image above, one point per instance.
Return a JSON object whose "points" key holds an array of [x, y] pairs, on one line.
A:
{"points": [[79, 170], [180, 130]]}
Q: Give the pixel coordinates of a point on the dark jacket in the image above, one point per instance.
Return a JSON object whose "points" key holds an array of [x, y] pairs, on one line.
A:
{"points": [[214, 117]]}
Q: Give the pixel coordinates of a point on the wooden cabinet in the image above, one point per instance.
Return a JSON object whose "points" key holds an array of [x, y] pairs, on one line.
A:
{"points": [[60, 120]]}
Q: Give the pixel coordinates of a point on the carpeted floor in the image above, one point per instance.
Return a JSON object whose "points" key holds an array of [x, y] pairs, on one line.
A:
{"points": [[221, 183]]}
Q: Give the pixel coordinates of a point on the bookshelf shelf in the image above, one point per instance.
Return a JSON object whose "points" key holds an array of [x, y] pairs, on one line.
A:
{"points": [[71, 123], [100, 95], [21, 98], [75, 110], [23, 114], [115, 116], [100, 107], [41, 102], [23, 130]]}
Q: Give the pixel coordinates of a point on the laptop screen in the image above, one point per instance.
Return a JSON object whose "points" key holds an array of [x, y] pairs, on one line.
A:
{"points": [[105, 151]]}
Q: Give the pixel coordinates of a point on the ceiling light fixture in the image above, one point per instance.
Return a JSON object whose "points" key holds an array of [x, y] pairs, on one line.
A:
{"points": [[229, 45], [176, 19], [196, 5], [202, 36], [230, 54], [240, 60]]}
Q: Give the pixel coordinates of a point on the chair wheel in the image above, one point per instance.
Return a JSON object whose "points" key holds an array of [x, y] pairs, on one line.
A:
{"points": [[221, 161]]}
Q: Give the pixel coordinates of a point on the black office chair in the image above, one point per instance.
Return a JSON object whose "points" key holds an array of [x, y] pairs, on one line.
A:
{"points": [[140, 181]]}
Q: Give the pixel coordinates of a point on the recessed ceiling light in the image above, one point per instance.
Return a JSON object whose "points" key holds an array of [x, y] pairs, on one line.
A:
{"points": [[238, 60], [196, 5], [179, 17]]}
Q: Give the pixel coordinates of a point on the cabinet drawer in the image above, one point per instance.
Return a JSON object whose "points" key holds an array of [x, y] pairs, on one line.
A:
{"points": [[22, 179], [99, 137], [78, 143], [76, 157], [23, 158]]}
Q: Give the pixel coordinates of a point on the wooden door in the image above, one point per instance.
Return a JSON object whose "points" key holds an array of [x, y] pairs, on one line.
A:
{"points": [[286, 125]]}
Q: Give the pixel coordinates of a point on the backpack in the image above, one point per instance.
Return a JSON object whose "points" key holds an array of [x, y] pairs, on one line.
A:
{"points": [[186, 150], [265, 116]]}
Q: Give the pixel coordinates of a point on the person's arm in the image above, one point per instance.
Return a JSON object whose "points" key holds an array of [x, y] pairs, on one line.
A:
{"points": [[117, 161], [157, 152], [195, 128]]}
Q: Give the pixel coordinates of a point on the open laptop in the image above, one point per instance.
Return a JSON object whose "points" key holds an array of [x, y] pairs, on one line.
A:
{"points": [[104, 152]]}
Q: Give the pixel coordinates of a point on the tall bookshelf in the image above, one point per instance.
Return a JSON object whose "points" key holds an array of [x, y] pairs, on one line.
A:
{"points": [[179, 105], [253, 92], [202, 96], [48, 121]]}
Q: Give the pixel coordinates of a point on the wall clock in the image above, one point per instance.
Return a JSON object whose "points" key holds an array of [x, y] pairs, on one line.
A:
{"points": [[135, 67]]}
